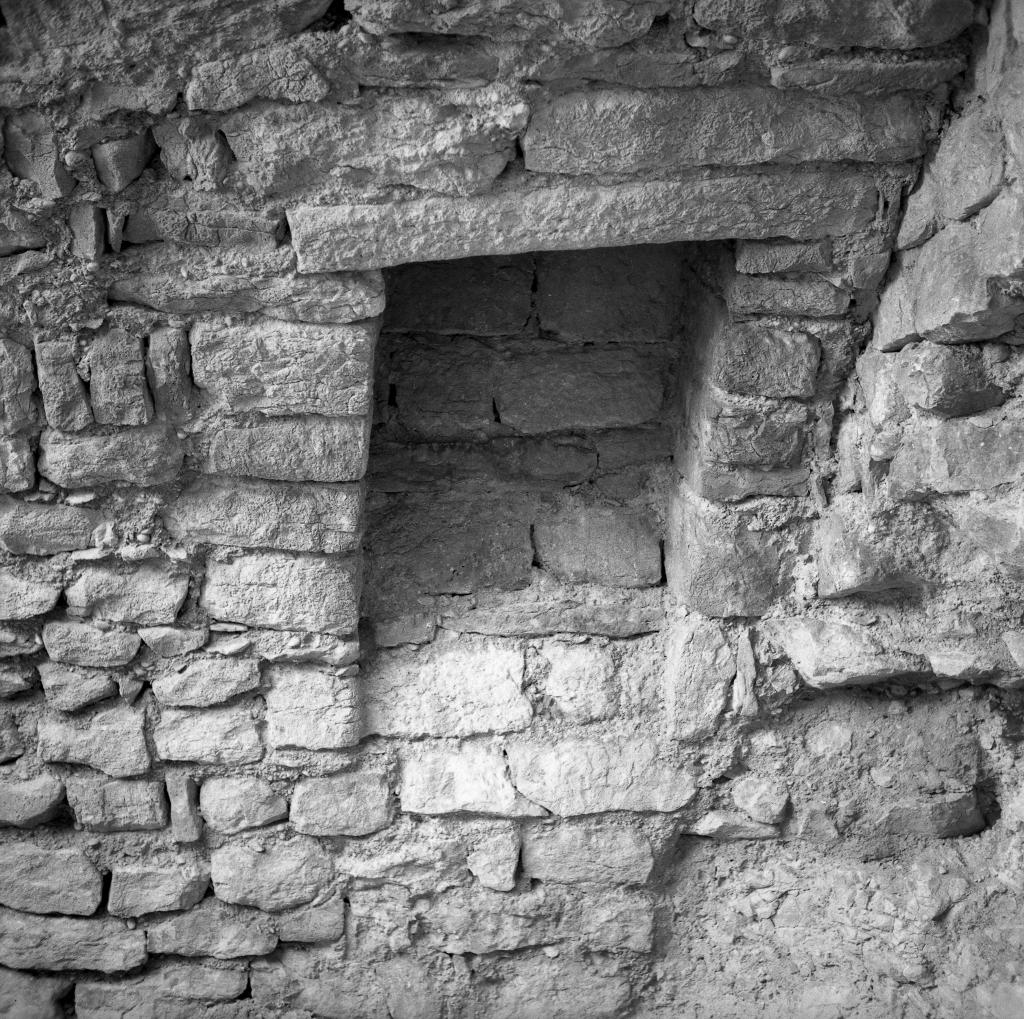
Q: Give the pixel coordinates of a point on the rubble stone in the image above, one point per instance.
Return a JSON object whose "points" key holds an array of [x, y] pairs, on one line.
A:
{"points": [[211, 736], [30, 802], [278, 877], [110, 739], [135, 890], [311, 707], [38, 880], [589, 776], [284, 592], [266, 514], [140, 456], [57, 943], [100, 805], [354, 803], [231, 805]]}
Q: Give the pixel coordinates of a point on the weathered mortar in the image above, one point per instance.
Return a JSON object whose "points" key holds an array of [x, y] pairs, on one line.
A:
{"points": [[488, 528]]}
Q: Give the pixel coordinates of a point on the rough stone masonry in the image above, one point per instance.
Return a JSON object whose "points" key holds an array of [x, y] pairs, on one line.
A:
{"points": [[512, 509]]}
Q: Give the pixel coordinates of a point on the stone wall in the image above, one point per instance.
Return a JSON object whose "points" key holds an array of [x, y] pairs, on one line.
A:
{"points": [[511, 509]]}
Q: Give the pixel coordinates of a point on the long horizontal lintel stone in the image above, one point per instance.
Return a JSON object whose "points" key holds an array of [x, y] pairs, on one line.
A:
{"points": [[704, 206]]}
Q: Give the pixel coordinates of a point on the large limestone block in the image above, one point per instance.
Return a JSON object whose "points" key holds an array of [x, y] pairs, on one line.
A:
{"points": [[110, 739], [476, 297], [311, 708], [453, 142], [202, 682], [29, 802], [632, 131], [289, 449], [213, 928], [38, 880], [59, 942], [830, 654], [210, 736], [612, 295], [577, 775], [606, 545], [698, 677], [264, 514], [282, 875], [285, 367], [577, 679], [83, 644], [448, 688], [145, 456], [231, 805], [40, 529], [187, 281], [803, 204], [149, 593], [944, 457], [353, 803], [599, 851], [833, 24], [576, 390], [282, 592], [99, 805], [471, 778]]}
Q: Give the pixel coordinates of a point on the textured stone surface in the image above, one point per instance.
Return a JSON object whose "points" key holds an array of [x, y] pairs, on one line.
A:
{"points": [[628, 132], [356, 803], [138, 456], [311, 707], [453, 689], [153, 889], [150, 593], [278, 877], [213, 928], [201, 682], [569, 216], [589, 776], [58, 943], [49, 881], [99, 805], [284, 592], [214, 736], [43, 530], [231, 805], [262, 514], [30, 802], [82, 644], [110, 740], [284, 368], [290, 449]]}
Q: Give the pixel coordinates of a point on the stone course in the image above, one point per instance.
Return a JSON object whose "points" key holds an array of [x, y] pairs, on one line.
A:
{"points": [[511, 509]]}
